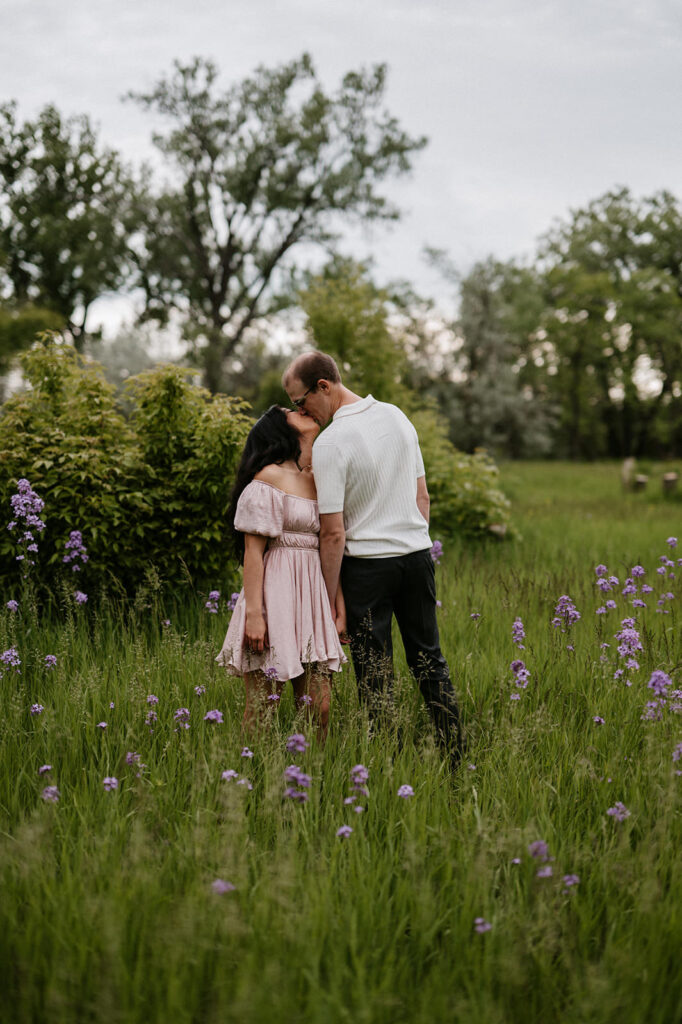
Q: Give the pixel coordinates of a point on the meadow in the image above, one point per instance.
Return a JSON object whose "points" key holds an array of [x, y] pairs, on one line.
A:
{"points": [[540, 882]]}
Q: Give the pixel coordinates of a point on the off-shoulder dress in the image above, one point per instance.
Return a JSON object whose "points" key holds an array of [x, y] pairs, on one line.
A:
{"points": [[299, 619]]}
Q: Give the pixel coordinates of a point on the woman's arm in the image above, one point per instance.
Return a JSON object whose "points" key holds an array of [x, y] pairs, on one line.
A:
{"points": [[340, 616], [256, 630]]}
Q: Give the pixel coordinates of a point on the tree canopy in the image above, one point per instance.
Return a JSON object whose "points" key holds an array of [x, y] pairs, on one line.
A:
{"points": [[268, 164]]}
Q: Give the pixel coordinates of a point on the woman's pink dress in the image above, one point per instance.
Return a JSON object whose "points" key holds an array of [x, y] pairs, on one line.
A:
{"points": [[297, 612]]}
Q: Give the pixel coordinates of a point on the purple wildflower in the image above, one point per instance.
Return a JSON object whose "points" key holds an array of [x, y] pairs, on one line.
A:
{"points": [[306, 699], [475, 615], [672, 542], [199, 690], [246, 752], [12, 605], [76, 550], [297, 743], [598, 720], [232, 602], [601, 570], [44, 769], [110, 783], [545, 871], [80, 597], [619, 811], [659, 683], [296, 777], [297, 795], [405, 792], [273, 698], [220, 886], [181, 717], [344, 831], [271, 674], [11, 659], [152, 698], [677, 752], [212, 603], [229, 774], [133, 758], [101, 725], [151, 718], [518, 633], [481, 925], [566, 613], [539, 849], [436, 551], [214, 716], [244, 782], [37, 709], [570, 880], [50, 794]]}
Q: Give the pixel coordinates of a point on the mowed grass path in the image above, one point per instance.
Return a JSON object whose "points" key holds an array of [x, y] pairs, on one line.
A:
{"points": [[107, 906]]}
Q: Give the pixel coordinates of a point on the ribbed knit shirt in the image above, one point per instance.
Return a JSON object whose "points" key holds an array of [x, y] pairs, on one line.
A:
{"points": [[366, 465]]}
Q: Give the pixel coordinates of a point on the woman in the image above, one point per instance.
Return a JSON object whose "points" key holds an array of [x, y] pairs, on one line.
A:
{"points": [[282, 626]]}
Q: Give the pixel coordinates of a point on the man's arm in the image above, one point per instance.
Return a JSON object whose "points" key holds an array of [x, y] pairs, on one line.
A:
{"points": [[332, 544], [423, 500]]}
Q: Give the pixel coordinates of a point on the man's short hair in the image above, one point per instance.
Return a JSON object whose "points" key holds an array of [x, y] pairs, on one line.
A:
{"points": [[314, 366]]}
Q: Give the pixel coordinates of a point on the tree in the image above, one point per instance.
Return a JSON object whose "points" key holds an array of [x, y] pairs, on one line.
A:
{"points": [[614, 289], [65, 217], [271, 163]]}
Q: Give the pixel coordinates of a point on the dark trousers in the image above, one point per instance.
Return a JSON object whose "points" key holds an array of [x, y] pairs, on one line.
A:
{"points": [[376, 589]]}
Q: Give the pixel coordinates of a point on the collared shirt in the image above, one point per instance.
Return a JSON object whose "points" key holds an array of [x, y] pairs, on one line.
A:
{"points": [[366, 465]]}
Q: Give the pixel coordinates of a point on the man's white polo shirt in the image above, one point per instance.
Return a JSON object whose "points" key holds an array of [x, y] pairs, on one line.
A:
{"points": [[366, 465]]}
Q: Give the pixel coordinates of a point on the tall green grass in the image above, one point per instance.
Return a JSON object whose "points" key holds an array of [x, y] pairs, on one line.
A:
{"points": [[107, 911]]}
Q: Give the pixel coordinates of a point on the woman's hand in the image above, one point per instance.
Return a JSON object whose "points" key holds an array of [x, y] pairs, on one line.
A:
{"points": [[340, 617], [255, 633]]}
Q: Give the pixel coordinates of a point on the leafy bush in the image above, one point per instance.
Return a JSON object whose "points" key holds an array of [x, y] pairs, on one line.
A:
{"points": [[465, 497], [149, 491]]}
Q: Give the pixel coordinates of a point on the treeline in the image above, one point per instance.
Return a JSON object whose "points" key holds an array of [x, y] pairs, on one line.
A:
{"points": [[575, 353]]}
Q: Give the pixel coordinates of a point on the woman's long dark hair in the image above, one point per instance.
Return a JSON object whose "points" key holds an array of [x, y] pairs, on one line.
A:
{"points": [[271, 439]]}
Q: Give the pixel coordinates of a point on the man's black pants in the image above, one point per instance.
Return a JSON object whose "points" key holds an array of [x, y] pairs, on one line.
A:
{"points": [[374, 590]]}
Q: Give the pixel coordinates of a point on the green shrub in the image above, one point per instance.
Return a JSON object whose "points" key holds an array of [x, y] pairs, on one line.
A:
{"points": [[464, 491], [149, 491]]}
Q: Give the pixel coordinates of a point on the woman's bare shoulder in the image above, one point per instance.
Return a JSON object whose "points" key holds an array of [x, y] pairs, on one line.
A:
{"points": [[272, 474]]}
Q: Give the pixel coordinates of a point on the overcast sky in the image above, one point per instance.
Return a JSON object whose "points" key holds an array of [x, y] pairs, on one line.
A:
{"points": [[531, 106]]}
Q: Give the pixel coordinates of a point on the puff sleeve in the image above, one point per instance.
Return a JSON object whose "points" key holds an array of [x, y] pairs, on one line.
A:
{"points": [[260, 509]]}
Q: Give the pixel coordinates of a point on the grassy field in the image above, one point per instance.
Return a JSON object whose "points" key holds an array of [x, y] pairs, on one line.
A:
{"points": [[108, 909]]}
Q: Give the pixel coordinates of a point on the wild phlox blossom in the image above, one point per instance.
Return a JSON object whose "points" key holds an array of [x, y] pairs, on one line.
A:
{"points": [[245, 752], [12, 606], [44, 769], [51, 794], [629, 645], [75, 551], [436, 551], [10, 659], [672, 542], [110, 783], [229, 774], [37, 709], [220, 886], [199, 690], [181, 717], [344, 832], [231, 604], [50, 661], [539, 849], [405, 791], [80, 597], [214, 716], [297, 743], [298, 783], [521, 673], [518, 633], [619, 811], [481, 925], [565, 613], [212, 603], [545, 871], [26, 509]]}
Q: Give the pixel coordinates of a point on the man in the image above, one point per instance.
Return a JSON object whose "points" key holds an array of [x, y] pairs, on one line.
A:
{"points": [[374, 512]]}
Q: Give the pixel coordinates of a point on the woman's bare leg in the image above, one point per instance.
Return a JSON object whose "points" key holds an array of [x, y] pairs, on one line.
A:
{"points": [[317, 684], [257, 689]]}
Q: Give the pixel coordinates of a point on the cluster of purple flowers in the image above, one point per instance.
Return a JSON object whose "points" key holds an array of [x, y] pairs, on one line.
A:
{"points": [[214, 716], [26, 509], [565, 613], [51, 794], [50, 661], [297, 743], [12, 605], [359, 776], [619, 811], [212, 603], [298, 784], [181, 718], [481, 925], [436, 551], [110, 783], [659, 683], [518, 633], [232, 602], [10, 659], [520, 672], [230, 775], [79, 597], [629, 645], [135, 761], [405, 792], [677, 756], [75, 551]]}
